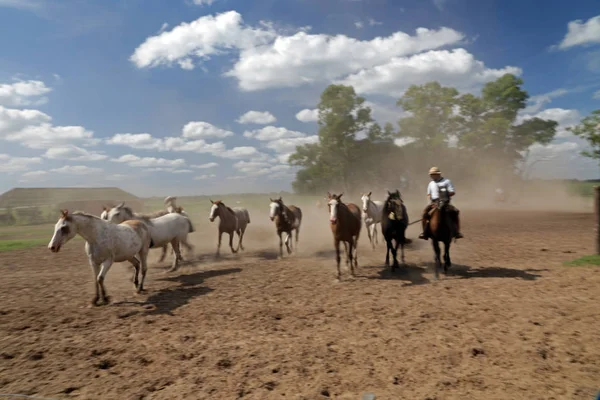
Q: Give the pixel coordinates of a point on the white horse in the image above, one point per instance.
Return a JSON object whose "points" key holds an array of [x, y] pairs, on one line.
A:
{"points": [[169, 228], [371, 211], [105, 244], [231, 220]]}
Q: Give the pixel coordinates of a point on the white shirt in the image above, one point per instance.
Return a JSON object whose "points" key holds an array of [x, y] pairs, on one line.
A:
{"points": [[433, 189]]}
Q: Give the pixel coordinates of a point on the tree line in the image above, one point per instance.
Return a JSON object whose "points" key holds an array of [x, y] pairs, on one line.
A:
{"points": [[472, 135]]}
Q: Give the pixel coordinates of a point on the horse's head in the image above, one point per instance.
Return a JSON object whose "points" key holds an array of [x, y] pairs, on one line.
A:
{"points": [[333, 201], [365, 201], [119, 213], [214, 210], [104, 214], [444, 198], [393, 205], [275, 207], [170, 200], [64, 230]]}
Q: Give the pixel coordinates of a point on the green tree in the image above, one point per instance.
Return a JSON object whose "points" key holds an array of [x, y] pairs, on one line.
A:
{"points": [[342, 115], [589, 130]]}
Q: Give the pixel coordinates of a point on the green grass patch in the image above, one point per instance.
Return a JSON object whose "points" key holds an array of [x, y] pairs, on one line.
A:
{"points": [[19, 244], [585, 261]]}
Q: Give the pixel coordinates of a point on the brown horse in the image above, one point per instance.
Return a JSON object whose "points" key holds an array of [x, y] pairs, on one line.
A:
{"points": [[345, 223], [287, 219], [231, 221], [440, 229]]}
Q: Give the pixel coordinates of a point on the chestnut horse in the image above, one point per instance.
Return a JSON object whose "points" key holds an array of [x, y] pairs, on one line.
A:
{"points": [[345, 222]]}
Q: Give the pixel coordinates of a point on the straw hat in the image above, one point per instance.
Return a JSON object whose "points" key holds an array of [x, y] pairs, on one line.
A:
{"points": [[435, 171]]}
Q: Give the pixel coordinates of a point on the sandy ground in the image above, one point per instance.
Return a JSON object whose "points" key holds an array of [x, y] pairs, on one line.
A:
{"points": [[510, 322]]}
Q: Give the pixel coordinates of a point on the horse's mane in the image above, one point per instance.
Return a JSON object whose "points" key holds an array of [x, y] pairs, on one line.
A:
{"points": [[144, 217], [84, 214], [154, 214]]}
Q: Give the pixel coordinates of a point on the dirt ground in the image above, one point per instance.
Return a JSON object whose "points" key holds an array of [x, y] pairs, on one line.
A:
{"points": [[510, 322]]}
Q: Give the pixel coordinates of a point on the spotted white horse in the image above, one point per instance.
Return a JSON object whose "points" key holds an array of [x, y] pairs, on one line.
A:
{"points": [[105, 244], [371, 213]]}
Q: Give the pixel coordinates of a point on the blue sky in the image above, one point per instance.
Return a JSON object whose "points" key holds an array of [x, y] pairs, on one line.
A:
{"points": [[210, 96]]}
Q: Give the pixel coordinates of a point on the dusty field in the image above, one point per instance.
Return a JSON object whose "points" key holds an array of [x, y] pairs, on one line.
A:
{"points": [[510, 322]]}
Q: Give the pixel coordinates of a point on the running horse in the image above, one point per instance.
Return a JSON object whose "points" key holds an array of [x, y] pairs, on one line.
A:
{"points": [[231, 221], [394, 221], [345, 223], [287, 219], [372, 210], [441, 229]]}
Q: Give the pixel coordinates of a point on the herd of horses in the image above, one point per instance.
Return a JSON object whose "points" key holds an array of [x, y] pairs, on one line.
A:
{"points": [[121, 235]]}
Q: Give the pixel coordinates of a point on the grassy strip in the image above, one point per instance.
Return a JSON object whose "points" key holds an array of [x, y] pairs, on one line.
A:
{"points": [[585, 261], [19, 244]]}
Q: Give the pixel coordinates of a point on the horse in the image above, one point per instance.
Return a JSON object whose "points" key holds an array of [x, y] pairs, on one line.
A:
{"points": [[394, 221], [172, 207], [287, 219], [441, 229], [230, 221], [345, 223], [167, 228], [105, 244], [372, 216]]}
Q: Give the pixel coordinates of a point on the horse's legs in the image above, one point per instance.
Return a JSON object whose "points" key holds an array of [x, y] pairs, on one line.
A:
{"points": [[177, 258], [395, 254], [336, 243], [387, 252], [375, 239], [350, 256], [346, 251], [447, 262], [369, 234], [136, 265], [103, 271], [96, 272], [186, 244], [164, 253], [144, 262], [436, 249], [219, 243], [288, 242], [241, 236], [231, 242], [280, 245]]}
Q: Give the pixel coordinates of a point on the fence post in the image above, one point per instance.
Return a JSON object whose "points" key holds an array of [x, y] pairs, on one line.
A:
{"points": [[597, 212]]}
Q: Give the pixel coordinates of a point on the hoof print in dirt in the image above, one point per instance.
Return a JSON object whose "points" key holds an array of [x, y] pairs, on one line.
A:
{"points": [[325, 393], [70, 389], [105, 364], [35, 356], [224, 363], [270, 386], [476, 351]]}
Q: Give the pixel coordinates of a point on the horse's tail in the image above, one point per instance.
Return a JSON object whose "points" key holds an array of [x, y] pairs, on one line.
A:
{"points": [[151, 242], [191, 226]]}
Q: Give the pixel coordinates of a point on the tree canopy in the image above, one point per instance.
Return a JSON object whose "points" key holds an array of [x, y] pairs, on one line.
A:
{"points": [[589, 130], [472, 132]]}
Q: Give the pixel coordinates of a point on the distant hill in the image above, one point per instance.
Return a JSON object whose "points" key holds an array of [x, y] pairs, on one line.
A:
{"points": [[28, 197]]}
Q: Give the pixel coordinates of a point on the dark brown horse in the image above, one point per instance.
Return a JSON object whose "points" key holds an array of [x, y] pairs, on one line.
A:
{"points": [[441, 229], [287, 219], [232, 220], [394, 221], [345, 223]]}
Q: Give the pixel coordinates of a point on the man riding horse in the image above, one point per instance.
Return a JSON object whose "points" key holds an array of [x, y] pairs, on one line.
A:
{"points": [[437, 185]]}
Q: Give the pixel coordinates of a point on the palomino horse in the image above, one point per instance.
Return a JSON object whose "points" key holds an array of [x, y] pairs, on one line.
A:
{"points": [[372, 210], [105, 244], [168, 228], [230, 221], [441, 229], [345, 223], [394, 221], [286, 220]]}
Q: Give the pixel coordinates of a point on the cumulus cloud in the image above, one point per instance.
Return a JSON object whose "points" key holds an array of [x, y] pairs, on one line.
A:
{"points": [[260, 168], [565, 117], [288, 145], [257, 117], [135, 161], [23, 93], [537, 102], [12, 120], [136, 141], [203, 130], [205, 166], [581, 33], [45, 136], [269, 133], [9, 163], [308, 115], [457, 68], [205, 177], [203, 2], [73, 153], [77, 170]]}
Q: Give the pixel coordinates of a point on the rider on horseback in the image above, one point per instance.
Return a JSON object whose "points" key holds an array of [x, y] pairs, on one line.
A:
{"points": [[433, 193]]}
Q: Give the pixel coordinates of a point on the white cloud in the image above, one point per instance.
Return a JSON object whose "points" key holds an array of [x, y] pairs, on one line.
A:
{"points": [[205, 166], [258, 168], [288, 145], [257, 117], [537, 102], [581, 33], [73, 153], [269, 133], [136, 141], [308, 115], [169, 169], [596, 95], [359, 24], [33, 175], [203, 2], [238, 152], [291, 61], [206, 36], [456, 67], [202, 130], [77, 170], [45, 135], [205, 177], [565, 118], [9, 163], [23, 93], [12, 120], [135, 161]]}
